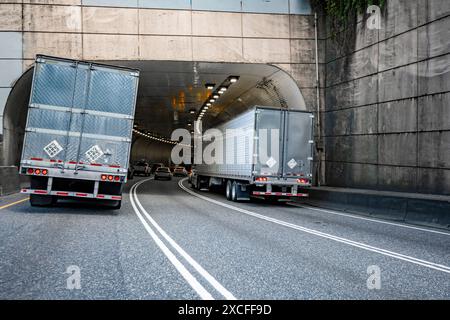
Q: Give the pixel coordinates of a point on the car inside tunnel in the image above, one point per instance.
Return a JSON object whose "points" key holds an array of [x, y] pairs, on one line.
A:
{"points": [[170, 96]]}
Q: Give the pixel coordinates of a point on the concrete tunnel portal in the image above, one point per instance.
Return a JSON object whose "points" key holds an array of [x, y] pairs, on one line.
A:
{"points": [[170, 96]]}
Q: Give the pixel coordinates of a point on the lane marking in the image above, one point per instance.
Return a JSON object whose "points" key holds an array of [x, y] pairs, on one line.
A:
{"points": [[190, 279], [205, 274], [367, 219], [13, 203], [360, 245]]}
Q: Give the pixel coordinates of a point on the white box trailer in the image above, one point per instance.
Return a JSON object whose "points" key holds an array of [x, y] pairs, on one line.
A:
{"points": [[78, 131], [268, 153]]}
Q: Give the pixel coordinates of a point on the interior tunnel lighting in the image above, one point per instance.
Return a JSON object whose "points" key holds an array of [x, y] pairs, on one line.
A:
{"points": [[210, 86], [192, 111], [212, 100], [208, 104], [216, 96], [223, 89], [233, 79]]}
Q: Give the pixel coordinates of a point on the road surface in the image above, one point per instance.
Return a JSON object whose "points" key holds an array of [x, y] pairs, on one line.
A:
{"points": [[171, 242]]}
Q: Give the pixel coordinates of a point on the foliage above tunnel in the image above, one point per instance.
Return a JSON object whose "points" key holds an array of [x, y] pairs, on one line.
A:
{"points": [[340, 11]]}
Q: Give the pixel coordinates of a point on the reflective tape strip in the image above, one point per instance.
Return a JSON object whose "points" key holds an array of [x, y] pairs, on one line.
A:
{"points": [[259, 193], [72, 194]]}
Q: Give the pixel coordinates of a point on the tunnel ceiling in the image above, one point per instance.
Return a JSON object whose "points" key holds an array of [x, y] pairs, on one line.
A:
{"points": [[168, 90]]}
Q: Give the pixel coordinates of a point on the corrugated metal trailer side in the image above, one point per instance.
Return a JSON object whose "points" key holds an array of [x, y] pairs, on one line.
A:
{"points": [[269, 153]]}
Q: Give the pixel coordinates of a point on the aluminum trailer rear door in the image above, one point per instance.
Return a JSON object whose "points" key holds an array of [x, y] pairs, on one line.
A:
{"points": [[80, 113], [269, 125], [80, 118], [298, 147]]}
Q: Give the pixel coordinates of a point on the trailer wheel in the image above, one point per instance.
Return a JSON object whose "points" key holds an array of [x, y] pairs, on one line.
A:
{"points": [[116, 204], [228, 190], [234, 191], [37, 200]]}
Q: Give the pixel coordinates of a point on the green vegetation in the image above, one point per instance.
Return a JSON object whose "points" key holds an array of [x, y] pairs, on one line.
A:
{"points": [[339, 11]]}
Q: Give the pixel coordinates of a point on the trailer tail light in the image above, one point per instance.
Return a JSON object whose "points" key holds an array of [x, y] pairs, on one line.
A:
{"points": [[37, 171], [104, 177], [261, 179], [303, 181], [45, 172], [116, 178], [30, 171], [110, 178]]}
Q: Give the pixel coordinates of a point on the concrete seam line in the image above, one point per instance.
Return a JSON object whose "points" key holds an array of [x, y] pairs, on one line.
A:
{"points": [[385, 252], [205, 274], [367, 219], [191, 280]]}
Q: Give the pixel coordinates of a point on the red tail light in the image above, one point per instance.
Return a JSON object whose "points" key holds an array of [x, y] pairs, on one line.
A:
{"points": [[104, 177], [303, 181], [30, 171], [261, 179], [37, 171], [110, 178], [116, 178], [45, 172]]}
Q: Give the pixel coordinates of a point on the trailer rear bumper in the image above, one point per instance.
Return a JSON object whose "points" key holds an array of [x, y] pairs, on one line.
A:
{"points": [[71, 194], [280, 194]]}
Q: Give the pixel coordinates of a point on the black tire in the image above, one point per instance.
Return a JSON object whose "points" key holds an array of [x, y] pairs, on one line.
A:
{"points": [[116, 204], [228, 190], [197, 183], [234, 191], [37, 200]]}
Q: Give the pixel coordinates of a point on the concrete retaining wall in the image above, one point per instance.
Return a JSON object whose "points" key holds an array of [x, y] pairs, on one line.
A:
{"points": [[431, 211], [9, 182], [387, 114]]}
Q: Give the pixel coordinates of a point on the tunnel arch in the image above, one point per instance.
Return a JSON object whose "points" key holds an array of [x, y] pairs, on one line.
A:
{"points": [[14, 118], [260, 84]]}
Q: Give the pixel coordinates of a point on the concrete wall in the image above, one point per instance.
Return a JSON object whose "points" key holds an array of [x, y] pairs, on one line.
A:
{"points": [[151, 151], [387, 112]]}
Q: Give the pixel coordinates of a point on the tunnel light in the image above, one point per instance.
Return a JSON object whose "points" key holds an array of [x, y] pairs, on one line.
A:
{"points": [[216, 96], [223, 89], [205, 108], [208, 104], [210, 86], [189, 124], [212, 100], [192, 111], [233, 79]]}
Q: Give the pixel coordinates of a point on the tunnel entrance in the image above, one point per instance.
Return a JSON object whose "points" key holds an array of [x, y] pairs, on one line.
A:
{"points": [[170, 95]]}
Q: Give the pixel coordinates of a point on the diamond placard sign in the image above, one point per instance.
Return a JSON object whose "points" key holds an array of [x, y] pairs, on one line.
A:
{"points": [[94, 153], [53, 148]]}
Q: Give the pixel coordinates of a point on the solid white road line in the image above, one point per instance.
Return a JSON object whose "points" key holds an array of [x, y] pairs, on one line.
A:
{"points": [[368, 219], [392, 254], [205, 274], [191, 280]]}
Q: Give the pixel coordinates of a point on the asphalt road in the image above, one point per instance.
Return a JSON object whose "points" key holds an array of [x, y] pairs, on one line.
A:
{"points": [[169, 242]]}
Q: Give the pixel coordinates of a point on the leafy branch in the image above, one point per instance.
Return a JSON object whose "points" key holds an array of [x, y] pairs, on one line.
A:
{"points": [[339, 11]]}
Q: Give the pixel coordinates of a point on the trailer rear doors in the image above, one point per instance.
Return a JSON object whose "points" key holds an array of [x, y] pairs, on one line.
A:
{"points": [[284, 143], [80, 114]]}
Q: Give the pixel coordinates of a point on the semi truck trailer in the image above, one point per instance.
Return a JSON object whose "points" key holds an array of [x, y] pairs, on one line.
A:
{"points": [[267, 153], [78, 131]]}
